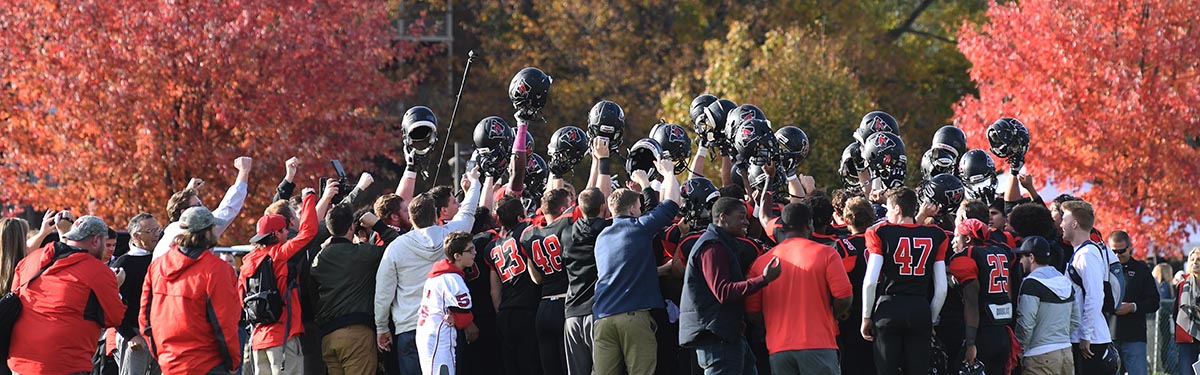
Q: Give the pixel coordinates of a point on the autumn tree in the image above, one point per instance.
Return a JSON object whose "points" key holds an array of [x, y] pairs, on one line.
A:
{"points": [[124, 101], [1111, 95]]}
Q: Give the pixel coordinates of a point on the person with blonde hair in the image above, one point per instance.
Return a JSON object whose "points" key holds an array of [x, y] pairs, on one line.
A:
{"points": [[1187, 317]]}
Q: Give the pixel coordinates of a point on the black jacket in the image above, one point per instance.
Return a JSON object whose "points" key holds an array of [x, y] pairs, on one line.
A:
{"points": [[343, 278], [1141, 290]]}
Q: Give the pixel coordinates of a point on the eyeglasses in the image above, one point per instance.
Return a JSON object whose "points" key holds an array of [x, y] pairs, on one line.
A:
{"points": [[1120, 251]]}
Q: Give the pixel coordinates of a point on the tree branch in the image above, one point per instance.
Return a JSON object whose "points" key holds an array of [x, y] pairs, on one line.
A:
{"points": [[931, 36], [906, 26]]}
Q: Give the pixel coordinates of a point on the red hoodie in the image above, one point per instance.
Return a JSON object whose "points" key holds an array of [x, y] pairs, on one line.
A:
{"points": [[462, 318], [63, 311], [190, 312], [272, 335]]}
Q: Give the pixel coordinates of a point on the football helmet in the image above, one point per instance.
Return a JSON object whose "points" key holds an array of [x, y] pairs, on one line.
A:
{"points": [[873, 122], [536, 173], [529, 90], [753, 141], [607, 119], [675, 143], [698, 195], [793, 148], [493, 141], [713, 126], [976, 368], [642, 156], [758, 183], [697, 109], [1008, 137], [978, 173], [884, 156], [567, 148], [944, 190], [849, 166], [937, 161], [951, 138], [420, 129]]}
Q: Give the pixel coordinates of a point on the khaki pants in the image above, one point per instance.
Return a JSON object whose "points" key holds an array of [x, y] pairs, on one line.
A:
{"points": [[350, 351], [1057, 362], [286, 359], [625, 341]]}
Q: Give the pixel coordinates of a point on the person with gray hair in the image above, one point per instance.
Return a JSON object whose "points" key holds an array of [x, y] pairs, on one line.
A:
{"points": [[133, 355], [68, 296]]}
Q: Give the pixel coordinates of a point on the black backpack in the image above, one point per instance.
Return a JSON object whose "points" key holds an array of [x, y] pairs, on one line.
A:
{"points": [[263, 303]]}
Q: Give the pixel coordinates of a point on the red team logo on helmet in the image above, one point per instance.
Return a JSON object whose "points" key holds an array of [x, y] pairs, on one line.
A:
{"points": [[497, 129], [747, 131], [883, 142], [878, 124], [956, 195], [676, 134], [747, 115], [521, 89]]}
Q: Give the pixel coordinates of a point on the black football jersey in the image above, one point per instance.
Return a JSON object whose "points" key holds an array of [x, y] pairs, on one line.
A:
{"points": [[543, 242], [853, 250], [909, 252], [990, 266], [517, 290]]}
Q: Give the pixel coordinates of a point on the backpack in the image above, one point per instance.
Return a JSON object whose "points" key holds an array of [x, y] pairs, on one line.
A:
{"points": [[263, 303], [1114, 280]]}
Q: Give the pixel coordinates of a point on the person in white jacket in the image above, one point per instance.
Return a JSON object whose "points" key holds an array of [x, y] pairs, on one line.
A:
{"points": [[1088, 269], [405, 268], [229, 208]]}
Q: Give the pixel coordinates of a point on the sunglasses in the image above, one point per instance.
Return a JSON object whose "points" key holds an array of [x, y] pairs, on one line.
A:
{"points": [[1120, 251]]}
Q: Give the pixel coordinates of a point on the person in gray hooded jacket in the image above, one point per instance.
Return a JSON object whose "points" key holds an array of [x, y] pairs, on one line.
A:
{"points": [[1046, 312]]}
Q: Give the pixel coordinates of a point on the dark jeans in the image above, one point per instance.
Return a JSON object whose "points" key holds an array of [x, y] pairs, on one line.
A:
{"points": [[406, 353], [718, 357], [1188, 353]]}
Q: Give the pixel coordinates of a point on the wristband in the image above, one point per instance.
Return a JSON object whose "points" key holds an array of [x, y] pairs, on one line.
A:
{"points": [[702, 151], [605, 166], [409, 173], [969, 337], [792, 178], [519, 145]]}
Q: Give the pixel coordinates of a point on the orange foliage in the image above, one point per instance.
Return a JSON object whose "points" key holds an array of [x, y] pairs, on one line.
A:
{"points": [[1111, 94], [123, 101]]}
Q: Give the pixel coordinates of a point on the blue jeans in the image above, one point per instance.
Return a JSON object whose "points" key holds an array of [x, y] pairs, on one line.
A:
{"points": [[1133, 357], [1188, 353], [717, 357], [406, 352]]}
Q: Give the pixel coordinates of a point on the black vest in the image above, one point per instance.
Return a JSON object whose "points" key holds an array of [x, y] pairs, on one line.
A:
{"points": [[699, 311]]}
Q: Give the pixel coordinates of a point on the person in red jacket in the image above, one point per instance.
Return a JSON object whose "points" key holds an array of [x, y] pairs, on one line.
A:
{"points": [[190, 309], [64, 309], [276, 347]]}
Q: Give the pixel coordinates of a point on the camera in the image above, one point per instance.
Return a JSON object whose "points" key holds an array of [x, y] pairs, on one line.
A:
{"points": [[344, 188]]}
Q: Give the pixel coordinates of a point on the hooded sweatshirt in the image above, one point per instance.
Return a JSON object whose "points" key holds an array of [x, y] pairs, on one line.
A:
{"points": [[406, 264], [190, 311], [290, 325], [63, 310], [579, 259], [1046, 313]]}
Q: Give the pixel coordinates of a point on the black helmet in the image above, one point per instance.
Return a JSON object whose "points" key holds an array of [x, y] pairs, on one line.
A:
{"points": [[742, 113], [697, 109], [849, 166], [420, 129], [937, 161], [884, 156], [758, 182], [793, 147], [938, 361], [978, 173], [976, 368], [1109, 363], [536, 173], [1008, 137], [674, 142], [876, 121], [754, 141], [713, 126], [698, 195], [493, 142], [607, 119], [567, 148], [642, 156], [944, 190], [529, 90], [952, 139]]}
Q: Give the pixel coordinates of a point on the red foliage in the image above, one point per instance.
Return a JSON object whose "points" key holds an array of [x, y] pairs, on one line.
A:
{"points": [[1111, 94], [123, 101]]}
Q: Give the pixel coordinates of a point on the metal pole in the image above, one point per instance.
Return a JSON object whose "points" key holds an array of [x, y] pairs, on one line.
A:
{"points": [[458, 167]]}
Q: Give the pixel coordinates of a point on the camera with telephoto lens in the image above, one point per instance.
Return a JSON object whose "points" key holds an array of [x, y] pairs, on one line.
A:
{"points": [[344, 188]]}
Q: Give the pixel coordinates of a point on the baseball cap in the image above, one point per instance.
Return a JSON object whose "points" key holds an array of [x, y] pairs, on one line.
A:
{"points": [[196, 219], [86, 226], [1036, 245], [268, 224]]}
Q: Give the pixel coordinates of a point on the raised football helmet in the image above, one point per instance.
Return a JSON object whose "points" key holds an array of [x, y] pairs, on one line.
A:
{"points": [[567, 148], [607, 119], [884, 156], [793, 148], [951, 138], [849, 166], [937, 161], [758, 183], [536, 173], [978, 173], [713, 126], [754, 142], [675, 143], [697, 109], [529, 90], [1008, 137], [493, 141], [944, 190], [420, 129], [642, 156], [698, 195], [873, 122]]}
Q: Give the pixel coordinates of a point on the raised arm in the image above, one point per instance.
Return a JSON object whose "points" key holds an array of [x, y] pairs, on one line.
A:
{"points": [[408, 182], [519, 157], [308, 228], [602, 165], [465, 219], [48, 221], [287, 186], [235, 197], [698, 162]]}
